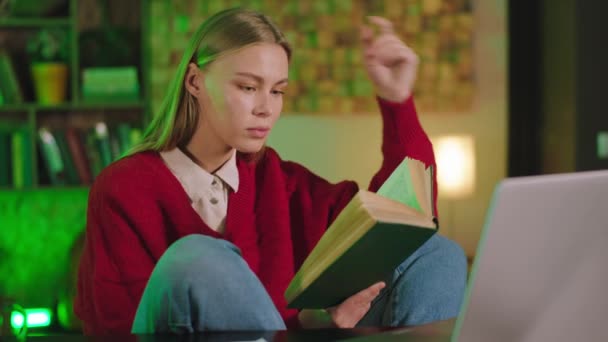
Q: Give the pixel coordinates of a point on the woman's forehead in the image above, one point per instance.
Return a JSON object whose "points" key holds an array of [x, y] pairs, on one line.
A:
{"points": [[263, 59]]}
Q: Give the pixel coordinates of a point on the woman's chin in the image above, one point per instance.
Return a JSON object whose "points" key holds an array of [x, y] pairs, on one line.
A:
{"points": [[250, 147]]}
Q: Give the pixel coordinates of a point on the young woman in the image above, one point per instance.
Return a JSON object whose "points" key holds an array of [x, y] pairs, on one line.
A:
{"points": [[202, 227]]}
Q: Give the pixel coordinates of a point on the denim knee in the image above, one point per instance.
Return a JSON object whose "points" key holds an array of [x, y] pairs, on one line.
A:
{"points": [[193, 256], [202, 283], [430, 284], [438, 250]]}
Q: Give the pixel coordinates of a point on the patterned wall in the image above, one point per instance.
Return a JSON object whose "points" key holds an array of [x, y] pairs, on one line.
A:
{"points": [[326, 75]]}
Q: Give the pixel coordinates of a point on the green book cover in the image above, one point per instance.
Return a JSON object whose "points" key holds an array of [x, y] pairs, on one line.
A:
{"points": [[93, 154], [22, 164], [17, 151], [102, 137], [66, 156], [114, 143], [51, 154], [123, 131], [363, 264], [9, 84], [6, 177], [371, 236], [28, 157]]}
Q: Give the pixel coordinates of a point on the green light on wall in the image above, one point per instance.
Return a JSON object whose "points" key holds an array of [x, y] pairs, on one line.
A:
{"points": [[36, 318]]}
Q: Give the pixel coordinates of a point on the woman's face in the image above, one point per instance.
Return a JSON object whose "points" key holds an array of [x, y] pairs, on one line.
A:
{"points": [[241, 96]]}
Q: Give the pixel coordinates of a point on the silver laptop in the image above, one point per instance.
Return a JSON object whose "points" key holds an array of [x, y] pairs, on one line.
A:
{"points": [[541, 271]]}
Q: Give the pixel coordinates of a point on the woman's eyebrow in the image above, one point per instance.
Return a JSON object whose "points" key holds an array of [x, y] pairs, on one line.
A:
{"points": [[258, 78]]}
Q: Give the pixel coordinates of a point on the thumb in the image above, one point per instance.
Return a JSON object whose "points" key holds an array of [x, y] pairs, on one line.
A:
{"points": [[367, 295]]}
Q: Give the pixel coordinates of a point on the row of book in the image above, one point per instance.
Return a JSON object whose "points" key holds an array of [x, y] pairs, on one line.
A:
{"points": [[75, 156], [68, 156]]}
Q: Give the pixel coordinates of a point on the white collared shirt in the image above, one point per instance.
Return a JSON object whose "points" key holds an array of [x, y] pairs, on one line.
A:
{"points": [[208, 192]]}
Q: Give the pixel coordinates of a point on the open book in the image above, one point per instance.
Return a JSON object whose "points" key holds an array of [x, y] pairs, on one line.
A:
{"points": [[372, 235]]}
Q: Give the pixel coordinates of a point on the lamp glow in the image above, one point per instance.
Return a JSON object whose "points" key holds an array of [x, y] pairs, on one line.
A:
{"points": [[36, 318], [455, 165]]}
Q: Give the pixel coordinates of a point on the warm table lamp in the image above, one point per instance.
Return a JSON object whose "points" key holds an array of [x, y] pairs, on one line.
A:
{"points": [[455, 156]]}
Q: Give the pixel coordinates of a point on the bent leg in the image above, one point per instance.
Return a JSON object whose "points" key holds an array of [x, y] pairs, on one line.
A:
{"points": [[428, 286], [202, 283]]}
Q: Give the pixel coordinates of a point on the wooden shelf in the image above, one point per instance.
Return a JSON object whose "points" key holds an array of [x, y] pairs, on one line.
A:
{"points": [[71, 106], [34, 22], [49, 188], [20, 122]]}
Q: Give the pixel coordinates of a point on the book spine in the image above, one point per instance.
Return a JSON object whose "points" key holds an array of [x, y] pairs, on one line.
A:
{"points": [[28, 158], [102, 138], [114, 143], [52, 157], [70, 168], [124, 131], [18, 156], [93, 154], [79, 155], [8, 80], [5, 160]]}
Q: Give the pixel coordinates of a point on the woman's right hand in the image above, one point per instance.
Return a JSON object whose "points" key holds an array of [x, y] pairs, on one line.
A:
{"points": [[352, 310]]}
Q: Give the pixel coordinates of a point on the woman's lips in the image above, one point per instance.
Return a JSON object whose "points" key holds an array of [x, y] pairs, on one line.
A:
{"points": [[258, 132]]}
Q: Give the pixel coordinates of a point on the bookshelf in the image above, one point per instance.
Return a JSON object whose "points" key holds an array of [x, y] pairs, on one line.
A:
{"points": [[25, 119]]}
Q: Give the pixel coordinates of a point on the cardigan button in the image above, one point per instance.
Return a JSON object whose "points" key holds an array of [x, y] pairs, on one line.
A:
{"points": [[213, 200]]}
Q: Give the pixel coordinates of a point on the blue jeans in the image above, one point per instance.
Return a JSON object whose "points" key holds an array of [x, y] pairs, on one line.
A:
{"points": [[202, 283], [428, 286]]}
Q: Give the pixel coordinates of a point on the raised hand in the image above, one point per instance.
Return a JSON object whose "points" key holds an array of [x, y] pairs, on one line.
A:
{"points": [[390, 64]]}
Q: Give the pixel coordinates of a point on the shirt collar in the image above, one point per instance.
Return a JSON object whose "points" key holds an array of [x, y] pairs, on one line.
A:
{"points": [[229, 173], [194, 177]]}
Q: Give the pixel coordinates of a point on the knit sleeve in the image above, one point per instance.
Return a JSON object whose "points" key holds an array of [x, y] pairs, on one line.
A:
{"points": [[115, 265], [402, 136], [314, 205]]}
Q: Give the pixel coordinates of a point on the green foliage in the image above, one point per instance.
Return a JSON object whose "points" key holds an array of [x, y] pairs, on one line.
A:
{"points": [[49, 45]]}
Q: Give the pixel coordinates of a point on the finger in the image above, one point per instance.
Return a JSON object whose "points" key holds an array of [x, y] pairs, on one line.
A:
{"points": [[370, 293], [378, 286], [386, 39], [388, 54], [391, 52], [377, 46], [385, 25], [367, 35]]}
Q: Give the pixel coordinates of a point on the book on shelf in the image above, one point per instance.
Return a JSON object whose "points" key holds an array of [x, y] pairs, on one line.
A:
{"points": [[22, 161], [76, 144], [370, 237], [53, 159], [72, 175], [103, 144], [10, 89], [6, 174]]}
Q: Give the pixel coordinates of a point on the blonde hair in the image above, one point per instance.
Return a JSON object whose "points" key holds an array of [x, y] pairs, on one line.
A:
{"points": [[226, 31]]}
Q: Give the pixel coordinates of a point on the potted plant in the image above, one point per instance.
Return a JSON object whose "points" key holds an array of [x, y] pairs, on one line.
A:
{"points": [[48, 52]]}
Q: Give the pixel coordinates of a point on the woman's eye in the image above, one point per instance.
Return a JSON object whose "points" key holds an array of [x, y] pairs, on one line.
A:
{"points": [[247, 88], [278, 92]]}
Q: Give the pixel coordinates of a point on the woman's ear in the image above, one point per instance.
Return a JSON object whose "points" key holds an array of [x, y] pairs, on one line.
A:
{"points": [[193, 80]]}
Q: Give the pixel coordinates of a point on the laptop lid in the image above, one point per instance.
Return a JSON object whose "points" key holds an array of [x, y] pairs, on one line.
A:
{"points": [[541, 270]]}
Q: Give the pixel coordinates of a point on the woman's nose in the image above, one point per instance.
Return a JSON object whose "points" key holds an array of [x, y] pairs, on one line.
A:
{"points": [[263, 107]]}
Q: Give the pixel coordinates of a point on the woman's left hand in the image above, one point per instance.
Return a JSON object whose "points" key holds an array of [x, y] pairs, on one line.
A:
{"points": [[390, 63]]}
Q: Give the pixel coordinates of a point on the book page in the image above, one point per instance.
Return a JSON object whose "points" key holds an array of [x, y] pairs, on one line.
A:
{"points": [[399, 186], [419, 181], [428, 181]]}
